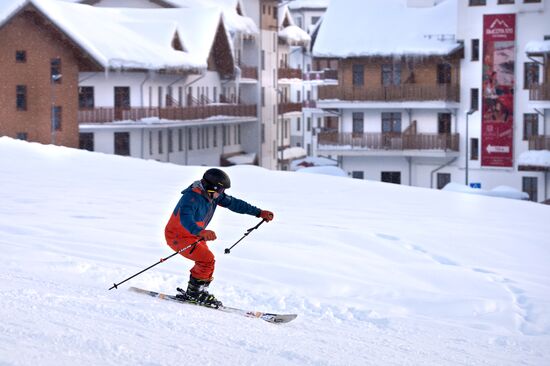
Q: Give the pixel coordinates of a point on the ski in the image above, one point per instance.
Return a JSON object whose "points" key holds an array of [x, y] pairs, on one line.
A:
{"points": [[268, 317]]}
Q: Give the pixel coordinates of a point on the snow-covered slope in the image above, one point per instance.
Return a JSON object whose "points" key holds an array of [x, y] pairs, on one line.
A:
{"points": [[379, 274]]}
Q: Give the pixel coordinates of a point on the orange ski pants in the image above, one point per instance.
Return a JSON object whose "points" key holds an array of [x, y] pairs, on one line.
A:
{"points": [[199, 253]]}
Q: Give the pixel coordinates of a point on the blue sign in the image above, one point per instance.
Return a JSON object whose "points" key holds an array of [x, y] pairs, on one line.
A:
{"points": [[475, 185]]}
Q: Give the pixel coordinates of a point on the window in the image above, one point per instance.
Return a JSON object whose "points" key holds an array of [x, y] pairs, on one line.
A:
{"points": [[20, 56], [298, 96], [531, 1], [391, 122], [443, 179], [122, 143], [443, 123], [474, 148], [57, 112], [358, 75], [547, 38], [309, 123], [180, 139], [160, 142], [150, 142], [529, 185], [263, 60], [530, 125], [263, 96], [503, 2], [391, 74], [55, 70], [86, 141], [443, 73], [357, 127], [391, 177], [263, 133], [530, 75], [22, 136], [477, 2], [215, 136], [314, 20], [159, 96], [475, 49], [86, 97], [358, 174], [21, 97], [190, 139], [474, 99], [298, 124], [170, 141]]}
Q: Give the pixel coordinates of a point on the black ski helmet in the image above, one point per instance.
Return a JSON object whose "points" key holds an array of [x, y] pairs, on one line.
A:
{"points": [[215, 179]]}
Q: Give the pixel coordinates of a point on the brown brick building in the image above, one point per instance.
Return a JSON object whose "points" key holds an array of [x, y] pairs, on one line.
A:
{"points": [[39, 79]]}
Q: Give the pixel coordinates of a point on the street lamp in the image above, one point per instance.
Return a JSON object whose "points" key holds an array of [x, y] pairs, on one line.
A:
{"points": [[468, 114]]}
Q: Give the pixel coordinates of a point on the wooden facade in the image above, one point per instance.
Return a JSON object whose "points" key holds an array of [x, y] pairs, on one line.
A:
{"points": [[105, 115], [390, 79], [391, 141]]}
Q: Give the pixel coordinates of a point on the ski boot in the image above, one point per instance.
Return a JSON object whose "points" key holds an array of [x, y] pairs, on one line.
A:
{"points": [[197, 293]]}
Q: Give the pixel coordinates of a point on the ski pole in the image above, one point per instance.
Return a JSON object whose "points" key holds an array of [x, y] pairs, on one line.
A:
{"points": [[228, 250], [162, 260]]}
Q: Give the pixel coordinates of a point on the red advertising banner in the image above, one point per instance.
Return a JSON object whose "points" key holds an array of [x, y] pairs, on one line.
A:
{"points": [[497, 138]]}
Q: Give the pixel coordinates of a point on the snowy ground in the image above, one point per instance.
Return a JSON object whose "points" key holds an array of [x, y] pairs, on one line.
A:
{"points": [[379, 274]]}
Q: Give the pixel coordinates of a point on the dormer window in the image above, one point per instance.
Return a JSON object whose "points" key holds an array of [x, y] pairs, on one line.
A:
{"points": [[176, 43]]}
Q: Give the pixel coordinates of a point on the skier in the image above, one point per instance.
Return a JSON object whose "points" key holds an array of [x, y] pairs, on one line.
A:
{"points": [[188, 224]]}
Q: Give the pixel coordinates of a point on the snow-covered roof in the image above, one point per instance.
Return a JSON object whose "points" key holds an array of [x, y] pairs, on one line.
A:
{"points": [[125, 38], [309, 4], [535, 158], [234, 22], [538, 47], [295, 152], [295, 35], [359, 28], [289, 31]]}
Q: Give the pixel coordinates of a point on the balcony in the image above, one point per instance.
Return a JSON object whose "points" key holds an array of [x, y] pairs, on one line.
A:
{"points": [[105, 115], [309, 104], [249, 72], [394, 93], [388, 141], [289, 107], [539, 142], [288, 73], [540, 92], [326, 74]]}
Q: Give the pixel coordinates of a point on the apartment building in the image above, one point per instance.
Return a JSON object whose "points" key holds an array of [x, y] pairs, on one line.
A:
{"points": [[218, 106], [419, 104], [504, 80], [397, 93]]}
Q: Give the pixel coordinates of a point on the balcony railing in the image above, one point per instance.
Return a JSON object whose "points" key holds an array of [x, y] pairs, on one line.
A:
{"points": [[309, 104], [249, 72], [321, 75], [390, 141], [539, 142], [288, 73], [396, 93], [289, 107], [540, 92], [102, 115]]}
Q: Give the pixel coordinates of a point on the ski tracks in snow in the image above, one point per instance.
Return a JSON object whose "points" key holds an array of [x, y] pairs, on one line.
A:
{"points": [[524, 315]]}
